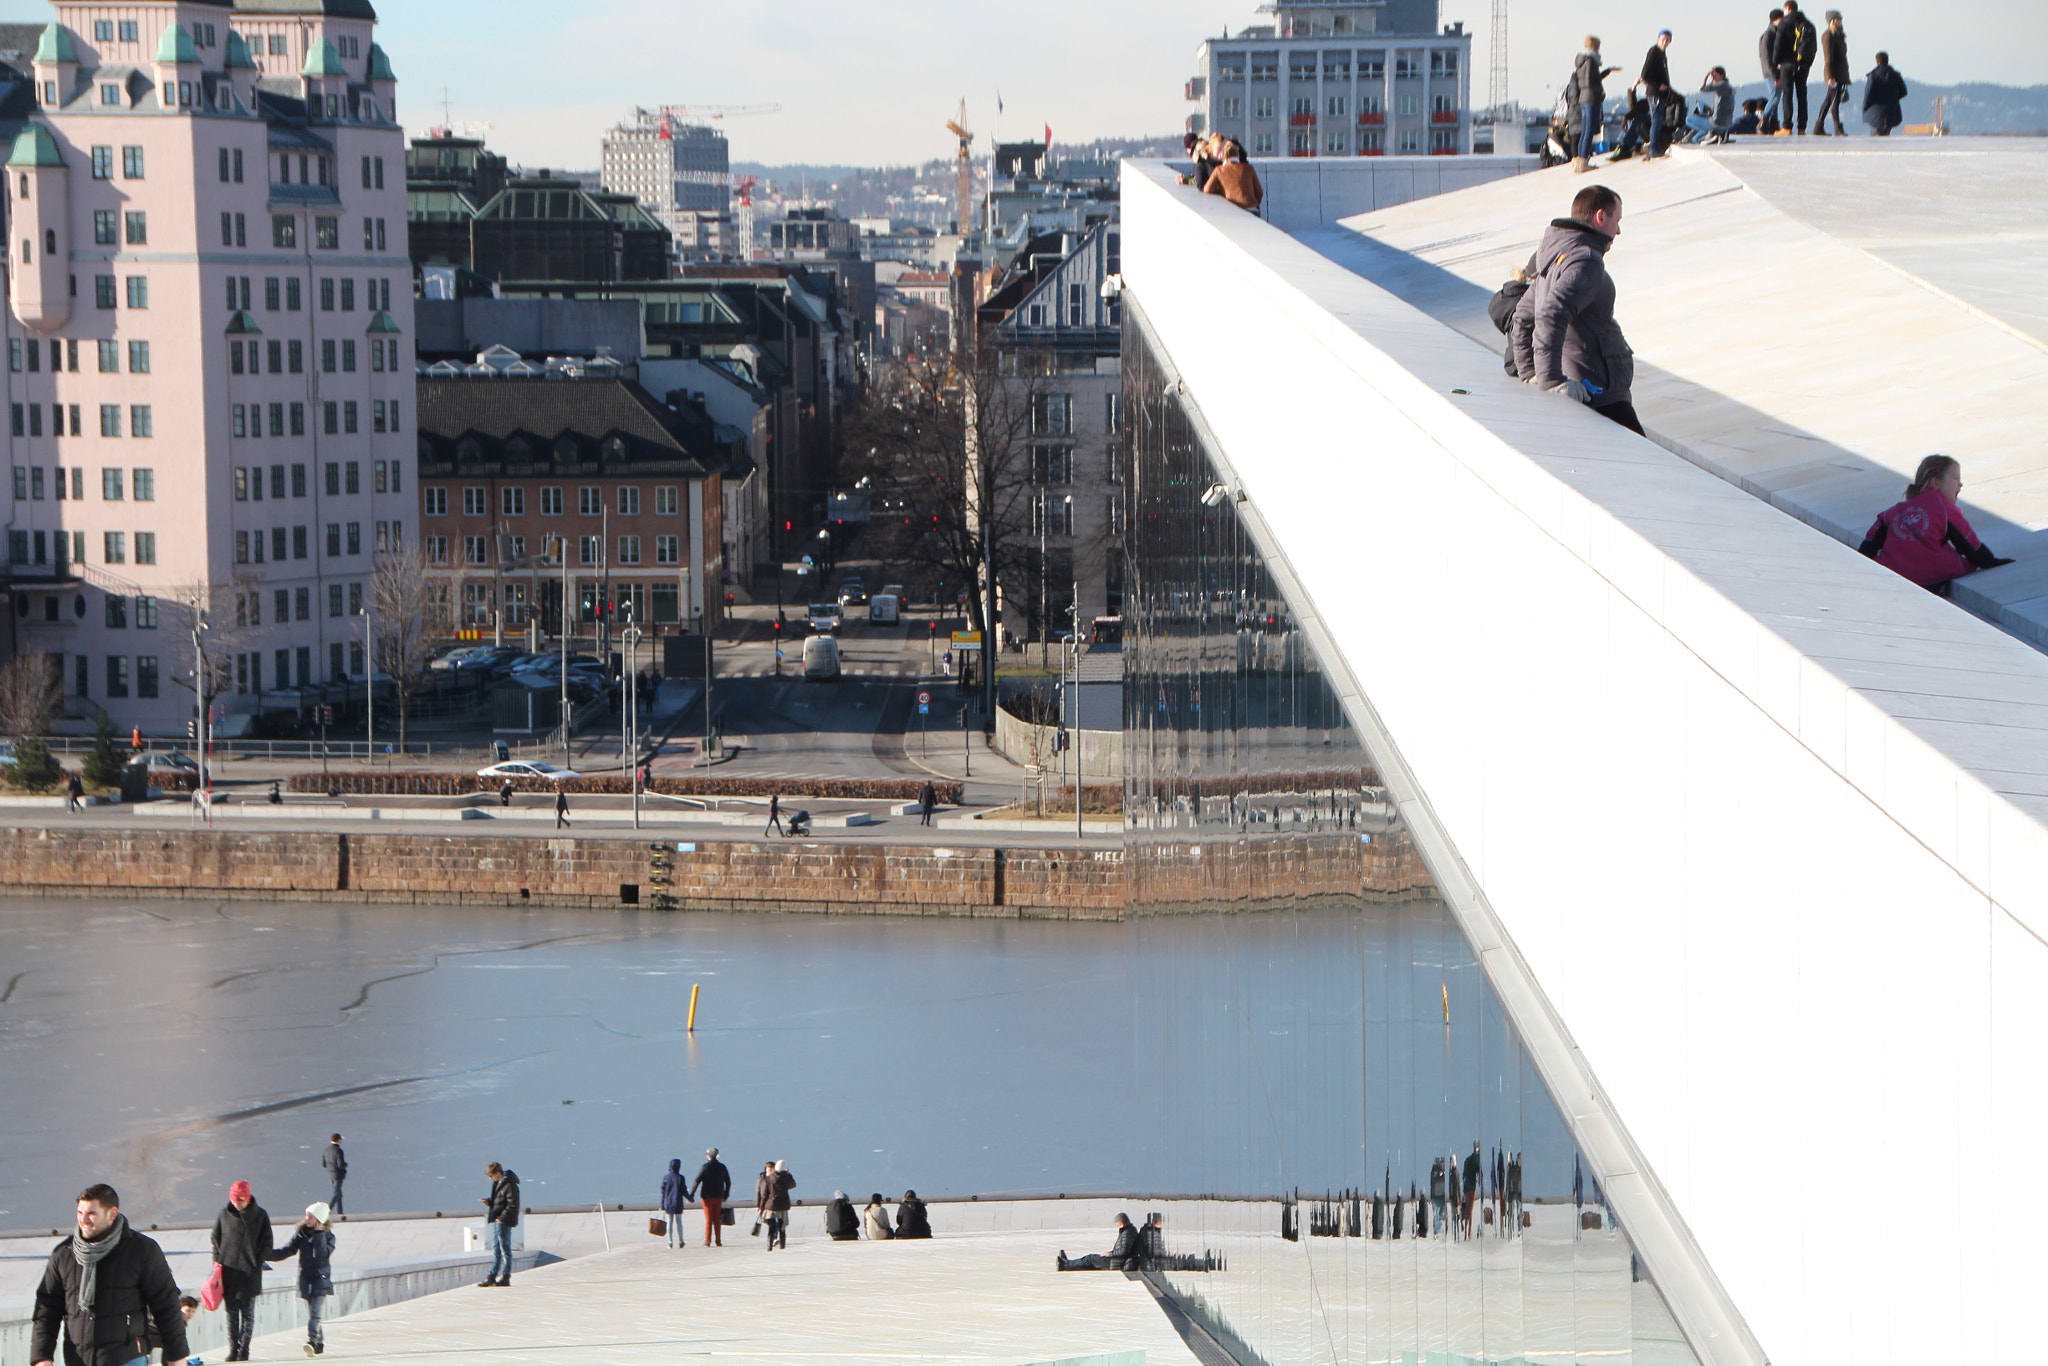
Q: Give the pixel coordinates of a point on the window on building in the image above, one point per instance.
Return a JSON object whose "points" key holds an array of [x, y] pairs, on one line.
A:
{"points": [[110, 484], [138, 358], [110, 419], [586, 549], [141, 420], [115, 544], [284, 234], [1262, 144], [137, 223], [117, 675], [145, 547], [104, 291], [1052, 414], [327, 233], [668, 550], [473, 504], [138, 291], [512, 502], [551, 502], [475, 549], [667, 500], [590, 500], [106, 231], [629, 500], [131, 163], [102, 163], [436, 548], [629, 550]]}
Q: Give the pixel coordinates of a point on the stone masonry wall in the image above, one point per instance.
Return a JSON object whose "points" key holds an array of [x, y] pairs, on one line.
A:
{"points": [[849, 879]]}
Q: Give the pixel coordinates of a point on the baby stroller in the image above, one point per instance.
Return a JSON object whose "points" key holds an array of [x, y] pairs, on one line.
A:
{"points": [[799, 824]]}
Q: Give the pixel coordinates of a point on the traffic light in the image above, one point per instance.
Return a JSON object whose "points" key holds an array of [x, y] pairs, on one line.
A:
{"points": [[776, 627], [192, 729], [326, 715]]}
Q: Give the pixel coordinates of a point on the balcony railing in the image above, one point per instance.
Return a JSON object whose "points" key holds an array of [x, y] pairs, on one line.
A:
{"points": [[1196, 88], [1372, 118], [1443, 116], [1372, 151], [1443, 151], [1301, 120]]}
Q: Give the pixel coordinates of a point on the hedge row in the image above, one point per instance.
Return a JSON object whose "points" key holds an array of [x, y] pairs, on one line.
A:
{"points": [[428, 784]]}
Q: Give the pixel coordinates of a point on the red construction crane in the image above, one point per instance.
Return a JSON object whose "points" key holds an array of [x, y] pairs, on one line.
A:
{"points": [[672, 114]]}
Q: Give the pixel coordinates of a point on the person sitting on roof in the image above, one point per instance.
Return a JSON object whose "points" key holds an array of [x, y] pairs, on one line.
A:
{"points": [[1925, 537]]}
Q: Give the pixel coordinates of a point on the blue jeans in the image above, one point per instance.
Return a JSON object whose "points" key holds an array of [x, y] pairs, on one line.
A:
{"points": [[1701, 124], [313, 1333], [501, 1251], [1589, 128], [1772, 109], [1659, 139], [334, 1204]]}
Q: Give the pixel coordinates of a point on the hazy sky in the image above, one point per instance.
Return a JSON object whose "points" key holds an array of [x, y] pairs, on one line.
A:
{"points": [[873, 82]]}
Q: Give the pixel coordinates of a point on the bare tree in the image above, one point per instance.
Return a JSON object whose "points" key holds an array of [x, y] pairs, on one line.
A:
{"points": [[406, 601], [949, 449], [30, 695], [216, 621]]}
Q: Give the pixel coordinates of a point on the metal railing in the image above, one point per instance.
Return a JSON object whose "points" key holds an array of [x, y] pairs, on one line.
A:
{"points": [[312, 750]]}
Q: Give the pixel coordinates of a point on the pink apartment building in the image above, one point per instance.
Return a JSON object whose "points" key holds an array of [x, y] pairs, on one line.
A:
{"points": [[209, 336]]}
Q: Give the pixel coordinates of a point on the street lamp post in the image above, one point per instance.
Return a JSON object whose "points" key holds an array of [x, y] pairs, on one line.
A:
{"points": [[631, 638], [370, 681]]}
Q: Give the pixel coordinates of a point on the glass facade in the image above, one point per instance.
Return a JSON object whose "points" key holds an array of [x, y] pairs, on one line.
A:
{"points": [[1391, 1180]]}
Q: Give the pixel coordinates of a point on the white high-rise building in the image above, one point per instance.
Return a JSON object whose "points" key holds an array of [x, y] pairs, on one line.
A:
{"points": [[680, 172], [1339, 78]]}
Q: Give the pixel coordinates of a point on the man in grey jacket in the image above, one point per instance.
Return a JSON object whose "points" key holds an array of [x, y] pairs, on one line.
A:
{"points": [[1565, 336], [335, 1163]]}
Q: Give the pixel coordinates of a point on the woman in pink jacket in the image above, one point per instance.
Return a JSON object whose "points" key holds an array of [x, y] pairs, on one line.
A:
{"points": [[1926, 538]]}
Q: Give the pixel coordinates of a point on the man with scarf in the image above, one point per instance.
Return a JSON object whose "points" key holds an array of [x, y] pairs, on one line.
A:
{"points": [[106, 1285], [241, 1244]]}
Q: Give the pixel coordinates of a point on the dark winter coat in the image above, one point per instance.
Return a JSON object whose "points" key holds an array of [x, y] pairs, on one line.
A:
{"points": [[315, 1247], [1126, 1250], [505, 1200], [911, 1221], [1586, 73], [1834, 49], [779, 1186], [675, 1193], [1656, 70], [1796, 44], [714, 1182], [241, 1241], [1564, 327], [334, 1161], [1767, 52], [133, 1292], [1883, 90], [841, 1223]]}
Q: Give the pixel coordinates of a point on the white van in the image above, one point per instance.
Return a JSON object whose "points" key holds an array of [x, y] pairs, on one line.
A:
{"points": [[821, 657], [883, 608]]}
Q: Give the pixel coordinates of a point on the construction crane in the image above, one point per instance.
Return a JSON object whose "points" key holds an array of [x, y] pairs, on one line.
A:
{"points": [[743, 186], [964, 170]]}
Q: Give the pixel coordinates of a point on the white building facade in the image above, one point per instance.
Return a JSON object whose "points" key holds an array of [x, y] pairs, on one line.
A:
{"points": [[680, 172], [1339, 78]]}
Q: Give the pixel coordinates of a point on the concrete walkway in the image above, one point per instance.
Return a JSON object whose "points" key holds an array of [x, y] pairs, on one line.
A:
{"points": [[987, 1297]]}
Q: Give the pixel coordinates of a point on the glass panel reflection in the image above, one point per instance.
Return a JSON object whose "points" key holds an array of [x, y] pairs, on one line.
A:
{"points": [[1388, 1179]]}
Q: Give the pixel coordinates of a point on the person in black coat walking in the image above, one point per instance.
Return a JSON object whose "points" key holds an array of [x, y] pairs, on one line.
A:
{"points": [[1657, 89], [501, 1210], [1795, 53], [1834, 68], [1884, 90], [313, 1242], [926, 800], [106, 1286], [561, 809], [335, 1163], [241, 1244], [714, 1188]]}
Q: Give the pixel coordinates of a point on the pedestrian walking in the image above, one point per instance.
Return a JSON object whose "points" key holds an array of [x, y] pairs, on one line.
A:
{"points": [[505, 793], [714, 1188], [501, 1212], [313, 1243], [1565, 335], [561, 809], [74, 793], [1884, 89], [1834, 68], [926, 800], [335, 1163], [675, 1197], [1656, 81], [1794, 54], [772, 1202], [774, 814], [1590, 94], [1767, 57], [106, 1286], [241, 1244]]}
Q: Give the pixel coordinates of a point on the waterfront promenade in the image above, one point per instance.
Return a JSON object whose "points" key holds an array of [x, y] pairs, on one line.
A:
{"points": [[982, 1290]]}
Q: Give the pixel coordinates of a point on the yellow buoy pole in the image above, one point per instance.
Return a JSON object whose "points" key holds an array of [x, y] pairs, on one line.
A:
{"points": [[691, 1028]]}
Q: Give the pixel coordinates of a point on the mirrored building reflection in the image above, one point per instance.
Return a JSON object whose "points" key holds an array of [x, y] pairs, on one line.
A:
{"points": [[1387, 1178]]}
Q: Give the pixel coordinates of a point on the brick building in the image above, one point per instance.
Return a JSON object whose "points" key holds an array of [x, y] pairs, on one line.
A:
{"points": [[513, 469]]}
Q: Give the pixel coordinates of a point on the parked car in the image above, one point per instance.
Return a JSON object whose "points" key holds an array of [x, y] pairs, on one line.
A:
{"points": [[527, 768], [487, 660], [448, 659]]}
